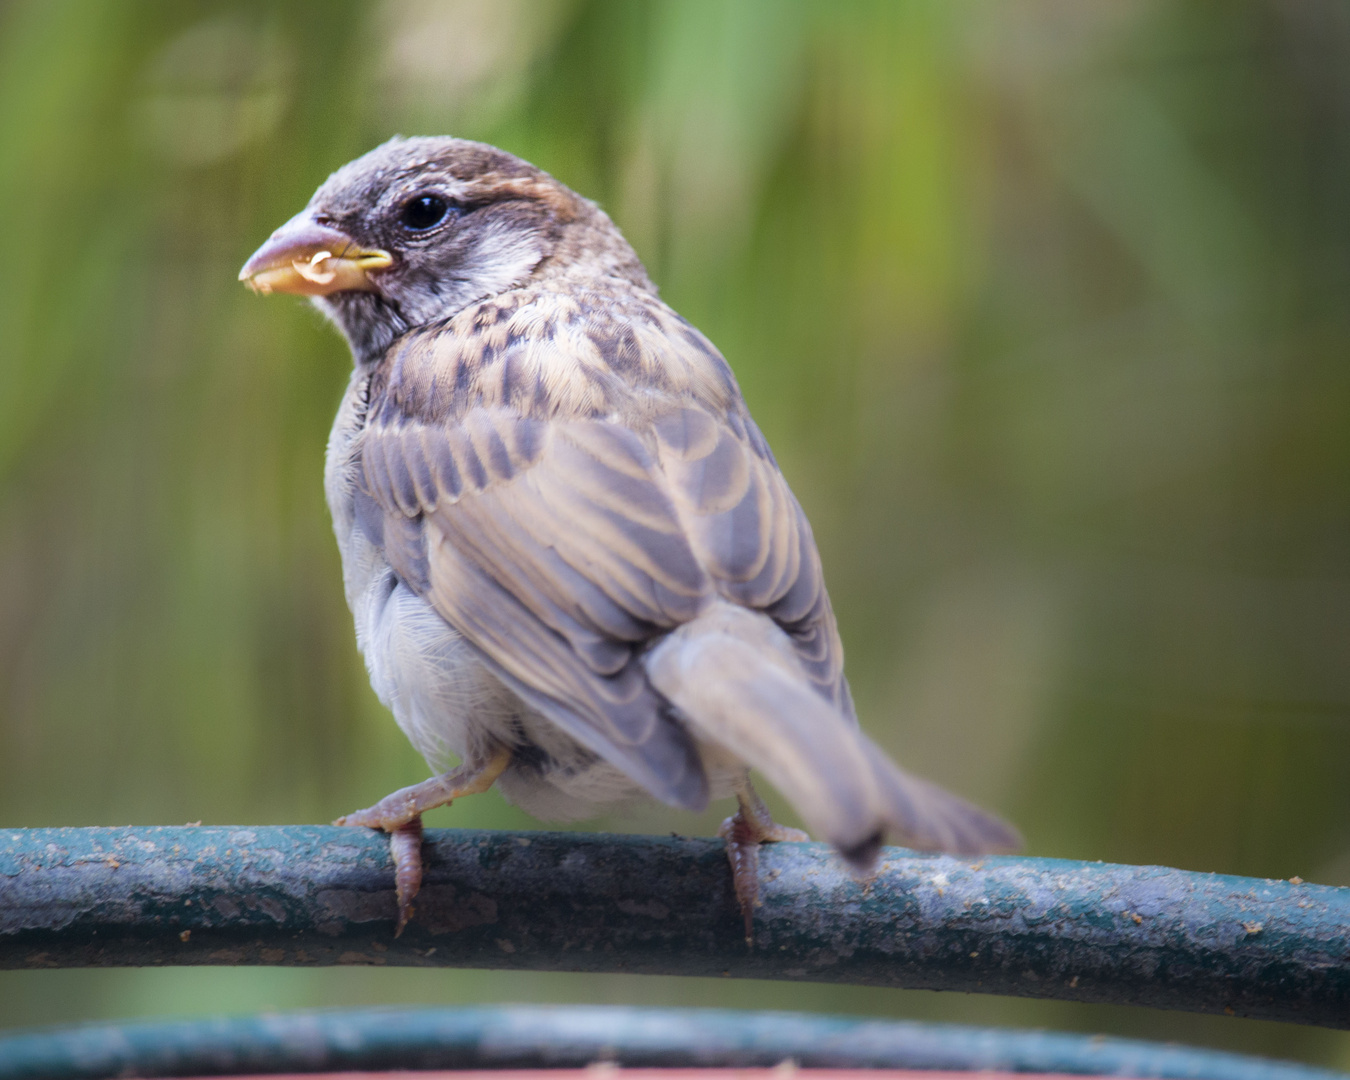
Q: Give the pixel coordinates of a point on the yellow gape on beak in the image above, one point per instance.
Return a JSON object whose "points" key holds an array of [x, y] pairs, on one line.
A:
{"points": [[310, 259]]}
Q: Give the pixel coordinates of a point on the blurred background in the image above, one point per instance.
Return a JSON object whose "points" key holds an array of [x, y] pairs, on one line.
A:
{"points": [[1043, 305]]}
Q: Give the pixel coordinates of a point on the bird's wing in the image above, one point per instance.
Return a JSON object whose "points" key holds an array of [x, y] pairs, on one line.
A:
{"points": [[544, 545], [747, 530], [561, 547]]}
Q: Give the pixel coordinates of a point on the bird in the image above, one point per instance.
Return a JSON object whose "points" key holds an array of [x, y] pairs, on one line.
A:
{"points": [[574, 565]]}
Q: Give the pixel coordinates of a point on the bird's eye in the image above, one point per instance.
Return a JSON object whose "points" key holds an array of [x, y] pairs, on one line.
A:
{"points": [[422, 212]]}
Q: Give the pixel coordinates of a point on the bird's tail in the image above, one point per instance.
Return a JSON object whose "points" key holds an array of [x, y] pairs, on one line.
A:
{"points": [[734, 677]]}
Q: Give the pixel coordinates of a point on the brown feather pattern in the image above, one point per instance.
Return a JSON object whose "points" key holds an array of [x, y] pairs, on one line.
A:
{"points": [[563, 530]]}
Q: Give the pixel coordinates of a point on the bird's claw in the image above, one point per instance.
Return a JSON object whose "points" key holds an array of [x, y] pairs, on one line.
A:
{"points": [[400, 815], [744, 832], [389, 814], [373, 817], [405, 846]]}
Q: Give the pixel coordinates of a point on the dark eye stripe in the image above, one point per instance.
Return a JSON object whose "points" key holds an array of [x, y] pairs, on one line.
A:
{"points": [[423, 212]]}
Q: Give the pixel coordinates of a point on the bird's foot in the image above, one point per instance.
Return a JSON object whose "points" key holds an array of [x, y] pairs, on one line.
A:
{"points": [[750, 826], [405, 846], [400, 815], [402, 807]]}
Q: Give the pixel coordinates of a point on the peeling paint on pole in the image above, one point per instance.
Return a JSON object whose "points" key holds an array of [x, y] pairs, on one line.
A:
{"points": [[313, 895]]}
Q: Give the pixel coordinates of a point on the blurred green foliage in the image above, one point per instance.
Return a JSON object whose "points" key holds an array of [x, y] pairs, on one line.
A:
{"points": [[1043, 304]]}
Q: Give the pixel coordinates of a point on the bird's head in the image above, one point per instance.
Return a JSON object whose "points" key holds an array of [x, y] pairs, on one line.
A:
{"points": [[418, 229]]}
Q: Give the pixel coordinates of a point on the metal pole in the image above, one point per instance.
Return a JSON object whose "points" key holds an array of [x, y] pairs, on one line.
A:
{"points": [[312, 895], [573, 1037]]}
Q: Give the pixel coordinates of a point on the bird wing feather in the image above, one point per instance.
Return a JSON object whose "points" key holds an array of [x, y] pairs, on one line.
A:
{"points": [[561, 547]]}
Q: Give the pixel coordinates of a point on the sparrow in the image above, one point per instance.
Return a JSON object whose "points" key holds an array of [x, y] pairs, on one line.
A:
{"points": [[573, 563]]}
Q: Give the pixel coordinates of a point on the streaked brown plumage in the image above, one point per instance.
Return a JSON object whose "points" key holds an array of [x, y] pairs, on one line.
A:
{"points": [[572, 558]]}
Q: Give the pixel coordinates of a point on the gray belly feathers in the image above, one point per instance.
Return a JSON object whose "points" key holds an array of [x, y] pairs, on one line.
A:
{"points": [[450, 706]]}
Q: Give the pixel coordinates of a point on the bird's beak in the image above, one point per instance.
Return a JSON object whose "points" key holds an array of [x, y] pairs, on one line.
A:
{"points": [[310, 259]]}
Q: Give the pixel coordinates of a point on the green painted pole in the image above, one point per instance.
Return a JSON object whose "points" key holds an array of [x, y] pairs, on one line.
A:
{"points": [[576, 1036], [313, 895]]}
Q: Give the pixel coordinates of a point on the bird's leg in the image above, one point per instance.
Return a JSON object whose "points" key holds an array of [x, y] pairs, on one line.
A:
{"points": [[400, 815], [407, 803], [743, 832]]}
